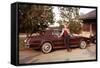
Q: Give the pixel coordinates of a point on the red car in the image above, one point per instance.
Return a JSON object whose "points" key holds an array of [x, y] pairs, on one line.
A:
{"points": [[48, 40]]}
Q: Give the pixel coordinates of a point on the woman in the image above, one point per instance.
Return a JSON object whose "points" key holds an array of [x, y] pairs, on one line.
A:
{"points": [[65, 32]]}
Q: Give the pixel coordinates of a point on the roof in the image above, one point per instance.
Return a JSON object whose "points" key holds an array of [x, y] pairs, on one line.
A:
{"points": [[90, 15]]}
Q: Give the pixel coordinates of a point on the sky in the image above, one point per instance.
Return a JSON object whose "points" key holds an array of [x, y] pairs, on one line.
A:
{"points": [[86, 10], [57, 14]]}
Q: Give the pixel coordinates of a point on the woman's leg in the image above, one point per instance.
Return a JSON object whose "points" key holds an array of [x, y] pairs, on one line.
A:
{"points": [[66, 42]]}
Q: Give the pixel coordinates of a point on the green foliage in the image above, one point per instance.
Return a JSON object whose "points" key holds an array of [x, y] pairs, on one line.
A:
{"points": [[33, 18], [75, 27], [71, 15]]}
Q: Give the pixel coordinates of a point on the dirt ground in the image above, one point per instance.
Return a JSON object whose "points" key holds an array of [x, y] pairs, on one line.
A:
{"points": [[33, 56]]}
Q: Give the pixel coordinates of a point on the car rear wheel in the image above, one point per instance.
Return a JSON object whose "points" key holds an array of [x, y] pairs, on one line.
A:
{"points": [[83, 44], [46, 47]]}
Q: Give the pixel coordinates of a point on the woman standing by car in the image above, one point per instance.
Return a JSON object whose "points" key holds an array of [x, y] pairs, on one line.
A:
{"points": [[65, 32]]}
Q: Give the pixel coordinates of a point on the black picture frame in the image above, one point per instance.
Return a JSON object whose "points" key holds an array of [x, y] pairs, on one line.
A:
{"points": [[15, 33]]}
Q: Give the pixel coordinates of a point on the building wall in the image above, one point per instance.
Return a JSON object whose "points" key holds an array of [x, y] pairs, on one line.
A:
{"points": [[86, 27]]}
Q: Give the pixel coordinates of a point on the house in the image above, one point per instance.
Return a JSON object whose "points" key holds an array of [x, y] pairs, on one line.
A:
{"points": [[89, 22]]}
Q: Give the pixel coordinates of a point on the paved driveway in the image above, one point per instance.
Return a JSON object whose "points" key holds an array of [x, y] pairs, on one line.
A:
{"points": [[32, 56]]}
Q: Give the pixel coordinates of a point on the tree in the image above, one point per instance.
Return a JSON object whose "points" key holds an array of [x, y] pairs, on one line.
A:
{"points": [[34, 18], [71, 15]]}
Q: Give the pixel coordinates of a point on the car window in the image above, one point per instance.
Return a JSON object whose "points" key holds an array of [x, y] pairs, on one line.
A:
{"points": [[56, 32], [35, 34]]}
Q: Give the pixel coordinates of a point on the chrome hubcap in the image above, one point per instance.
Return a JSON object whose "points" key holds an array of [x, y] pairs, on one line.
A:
{"points": [[46, 47], [83, 44]]}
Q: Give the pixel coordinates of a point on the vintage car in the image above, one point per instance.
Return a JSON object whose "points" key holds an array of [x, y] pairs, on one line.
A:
{"points": [[48, 40]]}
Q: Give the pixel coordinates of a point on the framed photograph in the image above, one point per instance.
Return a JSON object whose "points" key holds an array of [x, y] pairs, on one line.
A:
{"points": [[52, 33]]}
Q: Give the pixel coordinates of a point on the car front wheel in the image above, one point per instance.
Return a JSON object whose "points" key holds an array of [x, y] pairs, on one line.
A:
{"points": [[46, 47], [83, 44]]}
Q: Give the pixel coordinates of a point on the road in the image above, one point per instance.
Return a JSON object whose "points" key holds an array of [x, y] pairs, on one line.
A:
{"points": [[32, 56]]}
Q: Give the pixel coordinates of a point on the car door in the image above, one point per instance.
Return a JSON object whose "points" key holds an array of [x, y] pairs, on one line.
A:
{"points": [[58, 41], [74, 40]]}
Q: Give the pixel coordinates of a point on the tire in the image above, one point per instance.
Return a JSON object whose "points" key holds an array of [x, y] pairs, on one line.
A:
{"points": [[83, 44], [46, 47]]}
